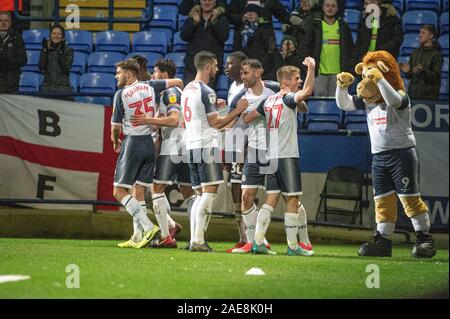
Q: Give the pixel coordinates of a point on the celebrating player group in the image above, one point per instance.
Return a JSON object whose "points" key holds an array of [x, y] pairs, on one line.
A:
{"points": [[253, 135]]}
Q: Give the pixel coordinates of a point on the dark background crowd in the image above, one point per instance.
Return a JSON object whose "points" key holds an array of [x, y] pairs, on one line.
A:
{"points": [[315, 28]]}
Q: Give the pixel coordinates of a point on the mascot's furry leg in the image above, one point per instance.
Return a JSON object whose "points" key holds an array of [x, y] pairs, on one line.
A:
{"points": [[417, 210]]}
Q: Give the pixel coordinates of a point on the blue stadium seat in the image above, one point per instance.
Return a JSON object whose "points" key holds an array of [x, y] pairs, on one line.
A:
{"points": [[168, 34], [414, 20], [357, 116], [178, 59], [445, 5], [29, 82], [165, 17], [443, 42], [178, 44], [354, 36], [74, 82], [32, 62], [80, 40], [323, 111], [410, 42], [150, 41], [112, 41], [222, 87], [361, 126], [33, 38], [79, 62], [352, 17], [433, 5], [97, 83], [168, 2], [443, 92], [353, 4], [104, 61], [151, 57], [102, 100], [181, 20], [399, 5], [322, 126], [278, 37], [229, 43], [443, 23], [276, 24], [287, 4], [444, 71]]}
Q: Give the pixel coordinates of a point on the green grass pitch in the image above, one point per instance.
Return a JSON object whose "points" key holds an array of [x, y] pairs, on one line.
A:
{"points": [[107, 271]]}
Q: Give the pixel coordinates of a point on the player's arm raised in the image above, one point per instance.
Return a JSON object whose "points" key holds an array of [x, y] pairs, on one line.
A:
{"points": [[218, 122], [308, 86]]}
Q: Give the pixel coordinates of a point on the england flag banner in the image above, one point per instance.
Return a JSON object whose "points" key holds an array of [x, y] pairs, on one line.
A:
{"points": [[51, 149]]}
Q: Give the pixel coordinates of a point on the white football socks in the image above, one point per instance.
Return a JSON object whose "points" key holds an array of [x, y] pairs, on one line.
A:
{"points": [[386, 229], [203, 215], [250, 217], [291, 224], [303, 225], [193, 217], [421, 222], [135, 210], [161, 213], [264, 216], [169, 218]]}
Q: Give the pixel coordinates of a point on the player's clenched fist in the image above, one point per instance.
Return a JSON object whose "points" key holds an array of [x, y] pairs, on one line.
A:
{"points": [[242, 105], [309, 62]]}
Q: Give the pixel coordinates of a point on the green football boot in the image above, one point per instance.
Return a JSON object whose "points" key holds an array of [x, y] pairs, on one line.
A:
{"points": [[148, 236], [261, 249], [299, 252]]}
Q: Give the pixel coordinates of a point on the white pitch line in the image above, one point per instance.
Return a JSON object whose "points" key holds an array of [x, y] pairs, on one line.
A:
{"points": [[12, 278]]}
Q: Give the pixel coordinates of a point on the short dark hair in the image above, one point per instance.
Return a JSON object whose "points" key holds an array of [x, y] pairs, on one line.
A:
{"points": [[58, 26], [167, 65], [129, 65], [238, 55], [430, 28], [253, 63], [202, 58]]}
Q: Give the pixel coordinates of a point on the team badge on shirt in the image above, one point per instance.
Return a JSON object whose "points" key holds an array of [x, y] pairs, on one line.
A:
{"points": [[212, 98], [172, 98]]}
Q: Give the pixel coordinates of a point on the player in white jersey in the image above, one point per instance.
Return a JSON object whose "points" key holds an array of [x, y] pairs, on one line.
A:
{"points": [[171, 165], [255, 91], [134, 166], [202, 122], [395, 164], [280, 112], [234, 162]]}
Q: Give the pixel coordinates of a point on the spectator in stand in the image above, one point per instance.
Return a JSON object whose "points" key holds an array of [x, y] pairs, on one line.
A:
{"points": [[55, 62], [236, 11], [288, 55], [203, 31], [23, 8], [256, 40], [12, 55], [424, 67], [388, 36], [186, 6], [330, 43]]}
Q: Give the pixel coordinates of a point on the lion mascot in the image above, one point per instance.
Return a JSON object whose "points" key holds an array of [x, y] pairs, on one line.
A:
{"points": [[395, 165]]}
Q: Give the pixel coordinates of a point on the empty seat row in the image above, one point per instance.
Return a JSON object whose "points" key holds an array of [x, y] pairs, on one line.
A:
{"points": [[405, 5]]}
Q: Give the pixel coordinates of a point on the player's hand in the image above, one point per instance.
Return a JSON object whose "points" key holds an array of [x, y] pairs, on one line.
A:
{"points": [[309, 62], [140, 119], [221, 103], [242, 105], [117, 145]]}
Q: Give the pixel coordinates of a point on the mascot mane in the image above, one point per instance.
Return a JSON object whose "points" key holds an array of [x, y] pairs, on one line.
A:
{"points": [[393, 75]]}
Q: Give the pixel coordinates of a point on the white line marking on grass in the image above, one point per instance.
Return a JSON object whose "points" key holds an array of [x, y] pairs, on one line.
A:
{"points": [[255, 272], [12, 278]]}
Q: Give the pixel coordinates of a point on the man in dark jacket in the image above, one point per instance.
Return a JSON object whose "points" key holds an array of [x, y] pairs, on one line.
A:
{"points": [[236, 12], [12, 55], [55, 62], [329, 41], [424, 67], [389, 35], [256, 39], [202, 33]]}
